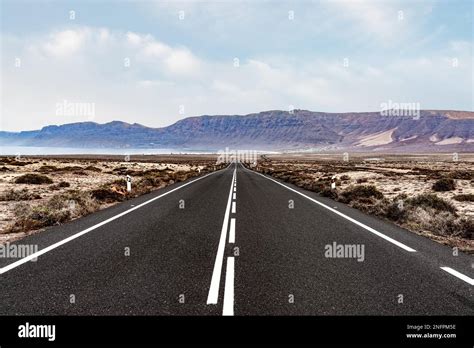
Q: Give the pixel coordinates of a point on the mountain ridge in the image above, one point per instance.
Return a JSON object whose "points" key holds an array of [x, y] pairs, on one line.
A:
{"points": [[433, 130]]}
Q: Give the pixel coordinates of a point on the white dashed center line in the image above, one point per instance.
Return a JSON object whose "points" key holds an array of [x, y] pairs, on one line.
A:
{"points": [[232, 231], [213, 295], [229, 288]]}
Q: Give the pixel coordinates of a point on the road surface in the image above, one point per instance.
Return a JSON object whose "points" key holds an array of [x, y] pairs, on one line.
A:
{"points": [[234, 242]]}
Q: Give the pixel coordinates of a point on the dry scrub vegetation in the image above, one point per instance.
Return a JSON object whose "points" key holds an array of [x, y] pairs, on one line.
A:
{"points": [[40, 192], [431, 198]]}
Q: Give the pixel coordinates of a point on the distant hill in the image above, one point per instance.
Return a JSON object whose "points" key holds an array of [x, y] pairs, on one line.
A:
{"points": [[433, 131]]}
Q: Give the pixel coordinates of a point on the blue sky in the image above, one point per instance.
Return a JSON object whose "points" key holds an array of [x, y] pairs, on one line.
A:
{"points": [[333, 56]]}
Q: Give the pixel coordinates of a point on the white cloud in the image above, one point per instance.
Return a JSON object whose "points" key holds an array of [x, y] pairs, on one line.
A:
{"points": [[135, 39], [174, 60], [66, 42], [85, 64], [376, 18], [182, 61], [156, 49]]}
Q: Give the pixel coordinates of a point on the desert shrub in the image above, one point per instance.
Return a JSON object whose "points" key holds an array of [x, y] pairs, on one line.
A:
{"points": [[180, 176], [301, 181], [440, 223], [107, 195], [42, 216], [314, 186], [119, 183], [152, 181], [429, 200], [47, 169], [19, 195], [28, 217], [396, 211], [80, 172], [131, 172], [117, 190], [112, 191], [156, 171], [36, 179], [21, 209], [345, 177], [465, 227], [12, 161], [401, 196], [58, 209], [327, 192], [78, 202], [361, 193], [372, 206], [93, 169], [60, 185], [304, 184], [362, 180], [444, 184], [19, 163], [71, 168], [461, 174], [469, 197]]}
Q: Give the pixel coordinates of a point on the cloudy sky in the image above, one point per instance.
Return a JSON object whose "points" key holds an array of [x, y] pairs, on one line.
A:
{"points": [[155, 62]]}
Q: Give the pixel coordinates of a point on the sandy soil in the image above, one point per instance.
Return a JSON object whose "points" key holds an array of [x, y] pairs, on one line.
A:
{"points": [[377, 139]]}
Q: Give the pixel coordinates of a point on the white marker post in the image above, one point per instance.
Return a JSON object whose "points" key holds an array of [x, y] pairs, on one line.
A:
{"points": [[129, 183], [333, 183]]}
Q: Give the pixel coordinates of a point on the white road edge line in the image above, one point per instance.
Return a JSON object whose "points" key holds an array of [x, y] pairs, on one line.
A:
{"points": [[77, 235], [213, 295], [232, 231], [461, 276], [228, 308], [370, 229]]}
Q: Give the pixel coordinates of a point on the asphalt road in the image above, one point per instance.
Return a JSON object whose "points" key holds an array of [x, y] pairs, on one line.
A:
{"points": [[242, 244]]}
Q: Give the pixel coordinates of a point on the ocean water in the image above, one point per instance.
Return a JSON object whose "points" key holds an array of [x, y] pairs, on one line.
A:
{"points": [[34, 150]]}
